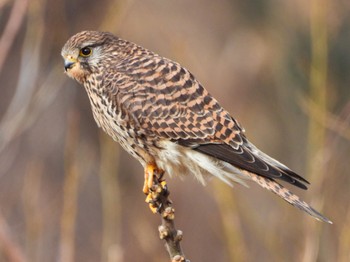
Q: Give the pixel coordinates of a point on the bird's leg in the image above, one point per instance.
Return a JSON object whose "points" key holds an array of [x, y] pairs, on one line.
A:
{"points": [[149, 176], [154, 186]]}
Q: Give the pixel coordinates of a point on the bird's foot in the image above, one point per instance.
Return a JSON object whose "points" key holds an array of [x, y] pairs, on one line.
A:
{"points": [[155, 188]]}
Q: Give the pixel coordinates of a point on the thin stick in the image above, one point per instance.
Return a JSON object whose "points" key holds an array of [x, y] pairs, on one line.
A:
{"points": [[167, 231]]}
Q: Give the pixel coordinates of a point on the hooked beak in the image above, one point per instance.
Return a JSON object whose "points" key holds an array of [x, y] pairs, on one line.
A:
{"points": [[69, 63]]}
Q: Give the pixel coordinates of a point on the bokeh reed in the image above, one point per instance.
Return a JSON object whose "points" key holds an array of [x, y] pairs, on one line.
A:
{"points": [[68, 193]]}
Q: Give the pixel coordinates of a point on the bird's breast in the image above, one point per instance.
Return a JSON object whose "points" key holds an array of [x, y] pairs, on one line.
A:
{"points": [[114, 120]]}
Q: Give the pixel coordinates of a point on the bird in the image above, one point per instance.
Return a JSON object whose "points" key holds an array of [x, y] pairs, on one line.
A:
{"points": [[163, 116]]}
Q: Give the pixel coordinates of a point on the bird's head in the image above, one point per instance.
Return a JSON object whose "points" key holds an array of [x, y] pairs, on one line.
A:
{"points": [[86, 53]]}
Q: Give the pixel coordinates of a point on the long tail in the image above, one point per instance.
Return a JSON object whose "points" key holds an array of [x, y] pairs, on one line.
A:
{"points": [[287, 195]]}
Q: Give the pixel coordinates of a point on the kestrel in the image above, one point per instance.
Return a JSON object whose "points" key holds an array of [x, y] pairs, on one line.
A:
{"points": [[161, 114]]}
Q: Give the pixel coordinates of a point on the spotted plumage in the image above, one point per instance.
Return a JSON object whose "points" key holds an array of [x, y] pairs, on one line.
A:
{"points": [[160, 113]]}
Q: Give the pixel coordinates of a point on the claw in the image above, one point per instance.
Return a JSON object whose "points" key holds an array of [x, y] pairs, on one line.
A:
{"points": [[164, 186], [154, 208], [154, 186]]}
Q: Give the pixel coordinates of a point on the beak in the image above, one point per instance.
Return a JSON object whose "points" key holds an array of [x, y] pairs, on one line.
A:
{"points": [[69, 63]]}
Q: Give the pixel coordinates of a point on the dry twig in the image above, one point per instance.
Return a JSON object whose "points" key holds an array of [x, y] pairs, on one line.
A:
{"points": [[167, 231]]}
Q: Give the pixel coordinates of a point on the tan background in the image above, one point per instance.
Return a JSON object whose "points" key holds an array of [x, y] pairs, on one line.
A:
{"points": [[67, 193]]}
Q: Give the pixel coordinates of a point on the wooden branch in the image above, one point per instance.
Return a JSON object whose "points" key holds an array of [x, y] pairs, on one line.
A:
{"points": [[161, 204]]}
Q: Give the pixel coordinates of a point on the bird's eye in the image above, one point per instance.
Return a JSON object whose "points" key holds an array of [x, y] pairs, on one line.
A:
{"points": [[86, 51]]}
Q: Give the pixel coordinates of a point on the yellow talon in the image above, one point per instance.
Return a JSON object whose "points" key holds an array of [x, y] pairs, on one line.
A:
{"points": [[163, 184], [153, 208], [153, 186], [152, 172], [149, 200]]}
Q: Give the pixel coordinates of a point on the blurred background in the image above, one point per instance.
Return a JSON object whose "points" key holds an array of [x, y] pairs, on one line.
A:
{"points": [[69, 193]]}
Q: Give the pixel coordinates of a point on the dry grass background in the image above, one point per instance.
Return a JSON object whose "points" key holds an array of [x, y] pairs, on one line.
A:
{"points": [[68, 193]]}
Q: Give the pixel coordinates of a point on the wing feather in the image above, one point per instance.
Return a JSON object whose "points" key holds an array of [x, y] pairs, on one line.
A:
{"points": [[246, 160], [176, 107]]}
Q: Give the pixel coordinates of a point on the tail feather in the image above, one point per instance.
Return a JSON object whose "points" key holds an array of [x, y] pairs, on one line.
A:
{"points": [[287, 195]]}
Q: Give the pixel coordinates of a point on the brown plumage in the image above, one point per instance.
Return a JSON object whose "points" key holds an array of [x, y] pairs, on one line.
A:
{"points": [[166, 119]]}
